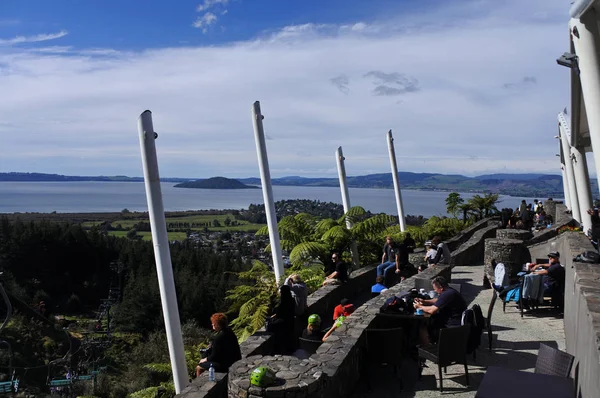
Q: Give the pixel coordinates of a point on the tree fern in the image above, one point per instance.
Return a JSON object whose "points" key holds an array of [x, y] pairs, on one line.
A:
{"points": [[305, 252]]}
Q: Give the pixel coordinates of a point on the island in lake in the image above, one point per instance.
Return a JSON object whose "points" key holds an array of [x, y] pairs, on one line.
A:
{"points": [[216, 183]]}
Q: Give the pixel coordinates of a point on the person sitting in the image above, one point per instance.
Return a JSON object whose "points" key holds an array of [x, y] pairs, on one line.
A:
{"points": [[281, 323], [554, 275], [389, 258], [224, 349], [313, 329], [378, 287], [340, 275], [442, 255], [299, 292], [430, 253], [445, 310], [344, 308]]}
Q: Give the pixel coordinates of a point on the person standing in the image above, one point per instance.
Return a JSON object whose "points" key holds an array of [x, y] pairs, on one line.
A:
{"points": [[299, 292]]}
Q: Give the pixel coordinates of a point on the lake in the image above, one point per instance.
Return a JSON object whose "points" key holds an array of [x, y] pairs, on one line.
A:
{"points": [[76, 197]]}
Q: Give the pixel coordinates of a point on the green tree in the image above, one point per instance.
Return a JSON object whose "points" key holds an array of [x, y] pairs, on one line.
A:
{"points": [[453, 202], [484, 205], [216, 223]]}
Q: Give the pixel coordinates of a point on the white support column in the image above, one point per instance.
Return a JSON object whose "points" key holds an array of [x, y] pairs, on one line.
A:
{"points": [[394, 165], [582, 183], [160, 241], [570, 174], [564, 174], [339, 157], [267, 189], [586, 41]]}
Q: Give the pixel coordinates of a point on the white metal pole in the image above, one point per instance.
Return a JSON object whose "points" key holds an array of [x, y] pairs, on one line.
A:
{"points": [[267, 189], [564, 174], [162, 255], [399, 205], [586, 41], [582, 183], [570, 175], [339, 157]]}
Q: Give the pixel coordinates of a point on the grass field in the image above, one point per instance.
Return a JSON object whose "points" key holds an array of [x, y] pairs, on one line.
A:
{"points": [[128, 223], [148, 235]]}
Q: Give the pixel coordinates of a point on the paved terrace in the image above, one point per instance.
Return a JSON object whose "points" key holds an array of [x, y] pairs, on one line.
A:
{"points": [[515, 345]]}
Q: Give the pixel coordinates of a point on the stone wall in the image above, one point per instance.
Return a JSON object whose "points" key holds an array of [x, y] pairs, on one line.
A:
{"points": [[463, 236], [512, 253], [472, 251], [561, 219], [336, 366], [338, 359], [323, 301], [582, 308], [520, 234]]}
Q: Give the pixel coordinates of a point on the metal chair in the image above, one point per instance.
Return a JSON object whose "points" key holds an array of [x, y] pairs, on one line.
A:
{"points": [[488, 320], [384, 346], [551, 361], [450, 349]]}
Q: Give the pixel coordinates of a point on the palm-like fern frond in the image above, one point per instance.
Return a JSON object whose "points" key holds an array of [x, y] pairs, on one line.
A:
{"points": [[159, 368], [325, 225], [354, 214], [306, 251]]}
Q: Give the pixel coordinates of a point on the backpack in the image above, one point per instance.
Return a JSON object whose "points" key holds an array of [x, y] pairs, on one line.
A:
{"points": [[396, 304], [588, 256], [468, 318]]}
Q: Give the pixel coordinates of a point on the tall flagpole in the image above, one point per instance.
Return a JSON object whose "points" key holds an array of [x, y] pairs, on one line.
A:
{"points": [[162, 255]]}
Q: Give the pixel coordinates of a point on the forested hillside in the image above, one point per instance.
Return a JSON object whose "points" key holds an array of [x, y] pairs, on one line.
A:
{"points": [[70, 270]]}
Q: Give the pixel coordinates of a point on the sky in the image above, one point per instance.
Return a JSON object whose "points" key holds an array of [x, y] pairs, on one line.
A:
{"points": [[467, 86]]}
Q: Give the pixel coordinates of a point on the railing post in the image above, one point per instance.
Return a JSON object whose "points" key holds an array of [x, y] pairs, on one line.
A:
{"points": [[162, 255], [267, 190]]}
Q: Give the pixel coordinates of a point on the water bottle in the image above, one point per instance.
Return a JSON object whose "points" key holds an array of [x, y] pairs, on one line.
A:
{"points": [[211, 373]]}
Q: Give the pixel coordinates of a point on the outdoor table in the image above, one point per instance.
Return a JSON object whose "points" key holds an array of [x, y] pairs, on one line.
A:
{"points": [[502, 383]]}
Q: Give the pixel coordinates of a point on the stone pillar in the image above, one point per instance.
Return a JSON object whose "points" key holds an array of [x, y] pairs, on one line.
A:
{"points": [[550, 207], [520, 234], [512, 252], [582, 182]]}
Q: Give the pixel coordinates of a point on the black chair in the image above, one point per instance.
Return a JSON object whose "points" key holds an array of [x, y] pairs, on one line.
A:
{"points": [[310, 346], [450, 349], [551, 361], [384, 346], [488, 320]]}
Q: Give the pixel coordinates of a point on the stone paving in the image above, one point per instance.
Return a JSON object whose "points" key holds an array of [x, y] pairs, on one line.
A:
{"points": [[516, 341]]}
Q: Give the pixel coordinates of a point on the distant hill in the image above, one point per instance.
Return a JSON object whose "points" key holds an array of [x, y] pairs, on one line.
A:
{"points": [[215, 183], [39, 177], [526, 185]]}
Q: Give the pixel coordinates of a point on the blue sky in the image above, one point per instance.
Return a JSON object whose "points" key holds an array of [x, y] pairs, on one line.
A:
{"points": [[467, 86]]}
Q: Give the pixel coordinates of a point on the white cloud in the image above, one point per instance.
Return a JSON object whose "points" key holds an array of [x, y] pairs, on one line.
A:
{"points": [[209, 18], [205, 21], [208, 4], [33, 39], [451, 113]]}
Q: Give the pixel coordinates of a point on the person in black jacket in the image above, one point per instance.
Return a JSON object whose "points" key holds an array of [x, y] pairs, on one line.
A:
{"points": [[281, 323], [224, 349]]}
